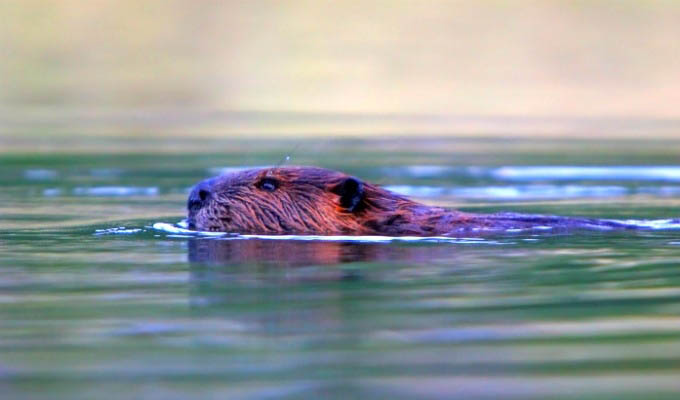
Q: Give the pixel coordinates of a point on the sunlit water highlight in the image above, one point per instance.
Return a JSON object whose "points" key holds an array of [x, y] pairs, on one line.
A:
{"points": [[550, 173]]}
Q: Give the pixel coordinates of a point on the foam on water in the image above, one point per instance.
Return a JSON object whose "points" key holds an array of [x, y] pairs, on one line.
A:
{"points": [[655, 224], [180, 230], [120, 230]]}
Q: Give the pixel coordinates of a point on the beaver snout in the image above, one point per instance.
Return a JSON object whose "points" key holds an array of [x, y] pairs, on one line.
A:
{"points": [[198, 198]]}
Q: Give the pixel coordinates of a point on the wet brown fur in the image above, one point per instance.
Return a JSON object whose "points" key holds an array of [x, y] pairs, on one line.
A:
{"points": [[309, 200]]}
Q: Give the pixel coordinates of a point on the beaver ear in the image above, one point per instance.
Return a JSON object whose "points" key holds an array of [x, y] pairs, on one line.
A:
{"points": [[351, 192]]}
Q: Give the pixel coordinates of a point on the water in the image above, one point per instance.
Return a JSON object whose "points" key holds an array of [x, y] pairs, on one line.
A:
{"points": [[104, 295]]}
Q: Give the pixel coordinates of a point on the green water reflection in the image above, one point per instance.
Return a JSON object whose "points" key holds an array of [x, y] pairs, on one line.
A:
{"points": [[148, 315]]}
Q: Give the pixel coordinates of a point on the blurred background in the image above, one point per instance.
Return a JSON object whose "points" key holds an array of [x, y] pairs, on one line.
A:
{"points": [[225, 68]]}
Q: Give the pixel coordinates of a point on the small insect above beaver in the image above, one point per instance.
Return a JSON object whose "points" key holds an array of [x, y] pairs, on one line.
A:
{"points": [[318, 201]]}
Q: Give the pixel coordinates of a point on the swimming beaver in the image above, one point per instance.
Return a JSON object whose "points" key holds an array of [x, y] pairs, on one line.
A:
{"points": [[311, 200]]}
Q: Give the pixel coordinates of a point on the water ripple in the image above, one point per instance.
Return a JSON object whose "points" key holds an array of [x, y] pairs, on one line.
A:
{"points": [[542, 173], [659, 173], [522, 192]]}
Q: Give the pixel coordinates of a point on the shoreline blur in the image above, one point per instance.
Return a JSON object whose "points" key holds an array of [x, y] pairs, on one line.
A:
{"points": [[299, 68]]}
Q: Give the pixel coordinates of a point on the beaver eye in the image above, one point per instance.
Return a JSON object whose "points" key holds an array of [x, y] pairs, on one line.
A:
{"points": [[268, 184]]}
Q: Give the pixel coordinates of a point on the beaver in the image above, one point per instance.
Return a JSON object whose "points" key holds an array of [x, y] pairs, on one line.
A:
{"points": [[318, 201]]}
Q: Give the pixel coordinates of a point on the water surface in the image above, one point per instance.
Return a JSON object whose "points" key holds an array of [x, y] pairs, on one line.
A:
{"points": [[100, 299]]}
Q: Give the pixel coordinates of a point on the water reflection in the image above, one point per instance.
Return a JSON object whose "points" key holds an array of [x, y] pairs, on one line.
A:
{"points": [[287, 253]]}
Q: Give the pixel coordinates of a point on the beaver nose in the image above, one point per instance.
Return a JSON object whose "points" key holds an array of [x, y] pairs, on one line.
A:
{"points": [[199, 195]]}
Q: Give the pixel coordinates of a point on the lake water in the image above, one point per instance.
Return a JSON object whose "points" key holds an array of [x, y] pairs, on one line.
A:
{"points": [[102, 297]]}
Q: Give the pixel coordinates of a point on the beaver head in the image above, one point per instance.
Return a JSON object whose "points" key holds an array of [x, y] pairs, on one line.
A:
{"points": [[300, 200]]}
